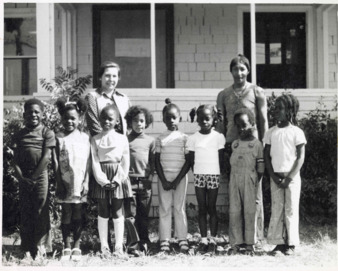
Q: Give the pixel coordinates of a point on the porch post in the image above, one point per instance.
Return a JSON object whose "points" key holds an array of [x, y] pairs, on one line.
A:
{"points": [[44, 43], [153, 45], [253, 42]]}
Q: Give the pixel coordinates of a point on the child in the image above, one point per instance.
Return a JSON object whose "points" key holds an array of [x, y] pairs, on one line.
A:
{"points": [[141, 172], [169, 160], [284, 156], [206, 151], [247, 168], [32, 151], [110, 164], [72, 173]]}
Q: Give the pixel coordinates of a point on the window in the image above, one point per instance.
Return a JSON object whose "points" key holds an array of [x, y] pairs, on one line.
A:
{"points": [[20, 56], [280, 49], [122, 33]]}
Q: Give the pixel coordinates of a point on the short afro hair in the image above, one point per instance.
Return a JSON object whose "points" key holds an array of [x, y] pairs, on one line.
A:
{"points": [[245, 111], [133, 111], [34, 101]]}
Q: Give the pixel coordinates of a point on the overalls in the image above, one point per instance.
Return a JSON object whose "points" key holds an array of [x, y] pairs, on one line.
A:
{"points": [[242, 193]]}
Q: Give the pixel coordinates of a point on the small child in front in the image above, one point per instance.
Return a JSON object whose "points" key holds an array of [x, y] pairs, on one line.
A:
{"points": [[169, 161], [141, 173], [32, 151], [284, 156], [110, 165], [73, 166], [206, 152], [247, 168]]}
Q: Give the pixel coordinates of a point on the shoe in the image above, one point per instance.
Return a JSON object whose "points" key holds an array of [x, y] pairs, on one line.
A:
{"points": [[119, 253], [66, 254], [233, 250], [105, 253], [76, 254], [290, 250], [184, 246], [278, 249], [202, 248], [249, 250], [165, 246], [134, 252], [212, 247], [27, 259]]}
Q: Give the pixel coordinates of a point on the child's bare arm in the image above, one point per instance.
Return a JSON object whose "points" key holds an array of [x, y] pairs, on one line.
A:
{"points": [[43, 163], [189, 161], [297, 165], [19, 176], [268, 165], [166, 185], [221, 160]]}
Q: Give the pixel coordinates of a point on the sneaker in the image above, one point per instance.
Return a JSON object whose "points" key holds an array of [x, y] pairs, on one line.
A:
{"points": [[76, 254], [184, 246], [212, 247], [290, 250], [165, 246], [66, 254], [278, 249], [249, 250]]}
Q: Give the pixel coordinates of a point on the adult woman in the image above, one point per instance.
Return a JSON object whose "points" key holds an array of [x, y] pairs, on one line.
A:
{"points": [[109, 75], [243, 94]]}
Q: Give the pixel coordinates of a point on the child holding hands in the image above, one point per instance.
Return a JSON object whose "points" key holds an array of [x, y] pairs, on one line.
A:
{"points": [[73, 167], [284, 156], [32, 151], [247, 168], [110, 164], [169, 161]]}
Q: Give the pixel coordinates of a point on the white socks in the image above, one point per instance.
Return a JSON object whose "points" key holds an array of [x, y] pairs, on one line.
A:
{"points": [[119, 232], [102, 225], [204, 240]]}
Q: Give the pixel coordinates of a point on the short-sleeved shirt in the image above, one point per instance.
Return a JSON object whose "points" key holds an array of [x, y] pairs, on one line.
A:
{"points": [[142, 150], [29, 145], [206, 149], [283, 143], [172, 147]]}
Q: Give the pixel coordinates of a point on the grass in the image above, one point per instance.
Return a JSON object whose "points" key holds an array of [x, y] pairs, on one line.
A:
{"points": [[318, 250]]}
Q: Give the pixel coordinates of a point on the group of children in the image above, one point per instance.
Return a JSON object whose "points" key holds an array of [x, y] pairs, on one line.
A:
{"points": [[123, 168]]}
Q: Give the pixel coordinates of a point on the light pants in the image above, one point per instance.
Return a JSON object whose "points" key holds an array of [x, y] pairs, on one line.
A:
{"points": [[259, 212], [166, 200], [284, 221], [242, 211]]}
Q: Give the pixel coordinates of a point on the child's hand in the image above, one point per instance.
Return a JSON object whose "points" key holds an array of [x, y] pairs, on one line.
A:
{"points": [[166, 185], [111, 186], [174, 184], [285, 183], [84, 192], [28, 181]]}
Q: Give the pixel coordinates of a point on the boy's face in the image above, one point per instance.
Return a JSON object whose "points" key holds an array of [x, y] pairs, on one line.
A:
{"points": [[205, 120], [138, 123], [70, 120], [171, 119], [244, 127], [33, 115], [108, 119]]}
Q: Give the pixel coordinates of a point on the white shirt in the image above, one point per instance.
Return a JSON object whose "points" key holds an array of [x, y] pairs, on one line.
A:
{"points": [[283, 143], [206, 149]]}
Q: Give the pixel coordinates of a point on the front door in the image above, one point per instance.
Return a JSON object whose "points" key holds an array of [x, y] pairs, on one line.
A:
{"points": [[280, 49]]}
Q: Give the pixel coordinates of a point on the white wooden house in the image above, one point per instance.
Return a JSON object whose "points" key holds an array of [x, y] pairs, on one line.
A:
{"points": [[177, 50]]}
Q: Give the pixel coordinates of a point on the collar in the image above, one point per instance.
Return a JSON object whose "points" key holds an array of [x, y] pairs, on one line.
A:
{"points": [[115, 92]]}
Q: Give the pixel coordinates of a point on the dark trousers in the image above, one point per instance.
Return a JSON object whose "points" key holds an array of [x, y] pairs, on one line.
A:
{"points": [[136, 212]]}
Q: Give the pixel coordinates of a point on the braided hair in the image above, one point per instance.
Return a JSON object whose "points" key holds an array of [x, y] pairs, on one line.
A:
{"points": [[291, 104], [169, 105]]}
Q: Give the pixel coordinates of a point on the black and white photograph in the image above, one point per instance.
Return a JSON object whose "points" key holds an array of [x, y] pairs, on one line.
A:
{"points": [[189, 135]]}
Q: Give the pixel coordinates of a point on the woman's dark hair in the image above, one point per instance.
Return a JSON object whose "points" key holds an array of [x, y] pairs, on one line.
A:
{"points": [[240, 59], [245, 111], [109, 64], [169, 106], [134, 111], [33, 101], [64, 104], [110, 107], [291, 104]]}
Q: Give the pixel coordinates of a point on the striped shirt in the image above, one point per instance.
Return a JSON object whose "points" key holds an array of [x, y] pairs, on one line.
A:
{"points": [[172, 145]]}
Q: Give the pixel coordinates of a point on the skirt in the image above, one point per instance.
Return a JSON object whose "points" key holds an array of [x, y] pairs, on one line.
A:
{"points": [[122, 191]]}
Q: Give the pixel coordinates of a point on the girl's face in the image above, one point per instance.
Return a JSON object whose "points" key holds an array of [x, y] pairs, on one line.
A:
{"points": [[33, 116], [108, 120], [171, 119], [138, 123], [244, 127], [205, 120], [110, 79], [70, 120], [280, 113], [239, 73]]}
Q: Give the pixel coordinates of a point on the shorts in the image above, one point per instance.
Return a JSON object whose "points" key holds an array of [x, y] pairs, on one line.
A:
{"points": [[209, 181]]}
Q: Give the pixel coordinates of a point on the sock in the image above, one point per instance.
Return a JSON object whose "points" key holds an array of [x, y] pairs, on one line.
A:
{"points": [[102, 225], [204, 240], [65, 229], [119, 232]]}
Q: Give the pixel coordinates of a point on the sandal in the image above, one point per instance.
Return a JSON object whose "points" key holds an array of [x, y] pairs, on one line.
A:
{"points": [[184, 246], [66, 254], [76, 254], [165, 246]]}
